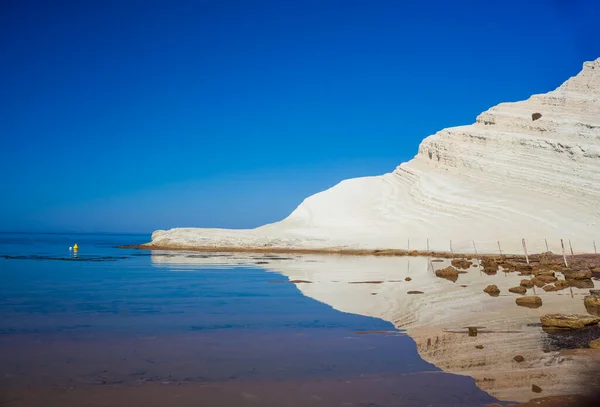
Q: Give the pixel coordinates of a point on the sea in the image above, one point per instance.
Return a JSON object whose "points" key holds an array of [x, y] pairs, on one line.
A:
{"points": [[108, 326]]}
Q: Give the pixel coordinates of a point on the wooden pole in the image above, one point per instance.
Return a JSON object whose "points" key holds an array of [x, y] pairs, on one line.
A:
{"points": [[499, 249], [474, 247], [571, 247], [525, 249], [547, 250], [594, 246], [562, 245], [451, 251]]}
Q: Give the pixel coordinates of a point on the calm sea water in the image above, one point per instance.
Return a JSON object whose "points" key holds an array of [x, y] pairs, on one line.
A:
{"points": [[110, 327]]}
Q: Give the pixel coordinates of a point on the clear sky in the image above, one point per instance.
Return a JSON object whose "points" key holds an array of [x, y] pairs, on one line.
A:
{"points": [[135, 115]]}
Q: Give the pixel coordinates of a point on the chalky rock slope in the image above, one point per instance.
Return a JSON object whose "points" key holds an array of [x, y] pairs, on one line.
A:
{"points": [[528, 169]]}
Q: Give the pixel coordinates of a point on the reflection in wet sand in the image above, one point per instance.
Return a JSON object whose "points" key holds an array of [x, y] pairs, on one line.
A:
{"points": [[438, 319]]}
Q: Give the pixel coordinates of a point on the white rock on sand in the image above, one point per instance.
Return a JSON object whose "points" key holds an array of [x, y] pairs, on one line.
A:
{"points": [[503, 178]]}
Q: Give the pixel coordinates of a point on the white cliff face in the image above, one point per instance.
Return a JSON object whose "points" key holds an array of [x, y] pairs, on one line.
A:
{"points": [[529, 169]]}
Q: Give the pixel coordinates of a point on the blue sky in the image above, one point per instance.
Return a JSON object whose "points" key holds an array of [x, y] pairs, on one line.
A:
{"points": [[130, 116]]}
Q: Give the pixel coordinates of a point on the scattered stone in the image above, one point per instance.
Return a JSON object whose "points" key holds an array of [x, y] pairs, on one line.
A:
{"points": [[415, 292], [546, 279], [550, 287], [461, 263], [543, 273], [582, 274], [472, 331], [537, 282], [592, 301], [449, 273], [489, 265], [479, 347], [530, 301], [518, 358], [518, 290], [492, 290], [561, 284], [536, 389], [408, 279], [567, 321], [595, 344], [587, 283], [534, 117], [526, 283]]}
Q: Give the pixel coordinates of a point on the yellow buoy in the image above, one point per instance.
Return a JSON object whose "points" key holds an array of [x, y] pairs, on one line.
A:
{"points": [[75, 247]]}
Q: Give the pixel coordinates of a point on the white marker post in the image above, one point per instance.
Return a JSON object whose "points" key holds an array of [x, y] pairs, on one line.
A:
{"points": [[562, 245], [499, 249], [525, 249]]}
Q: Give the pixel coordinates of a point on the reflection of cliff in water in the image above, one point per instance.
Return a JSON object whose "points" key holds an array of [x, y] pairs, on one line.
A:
{"points": [[438, 319]]}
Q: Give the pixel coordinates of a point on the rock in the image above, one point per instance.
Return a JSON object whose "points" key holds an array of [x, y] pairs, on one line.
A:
{"points": [[408, 279], [415, 292], [537, 282], [526, 283], [543, 273], [568, 321], [561, 284], [518, 358], [550, 287], [592, 301], [461, 263], [595, 344], [472, 331], [492, 290], [449, 273], [582, 274], [479, 347], [489, 265], [518, 290], [530, 301], [536, 389], [546, 279], [587, 283], [595, 292]]}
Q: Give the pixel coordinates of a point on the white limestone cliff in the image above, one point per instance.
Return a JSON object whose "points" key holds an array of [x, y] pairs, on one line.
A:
{"points": [[501, 179]]}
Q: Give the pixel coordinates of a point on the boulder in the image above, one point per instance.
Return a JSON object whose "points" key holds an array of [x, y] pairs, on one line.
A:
{"points": [[479, 347], [586, 283], [492, 290], [537, 282], [595, 344], [594, 292], [543, 273], [518, 358], [408, 279], [449, 273], [550, 287], [561, 284], [518, 290], [546, 279], [461, 263], [581, 274], [592, 301], [526, 283], [530, 301], [568, 321], [536, 389]]}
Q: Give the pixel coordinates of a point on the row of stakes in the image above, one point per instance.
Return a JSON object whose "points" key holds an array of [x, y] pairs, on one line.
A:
{"points": [[524, 248]]}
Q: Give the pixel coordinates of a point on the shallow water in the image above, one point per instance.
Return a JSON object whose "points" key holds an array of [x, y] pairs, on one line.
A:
{"points": [[124, 327]]}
